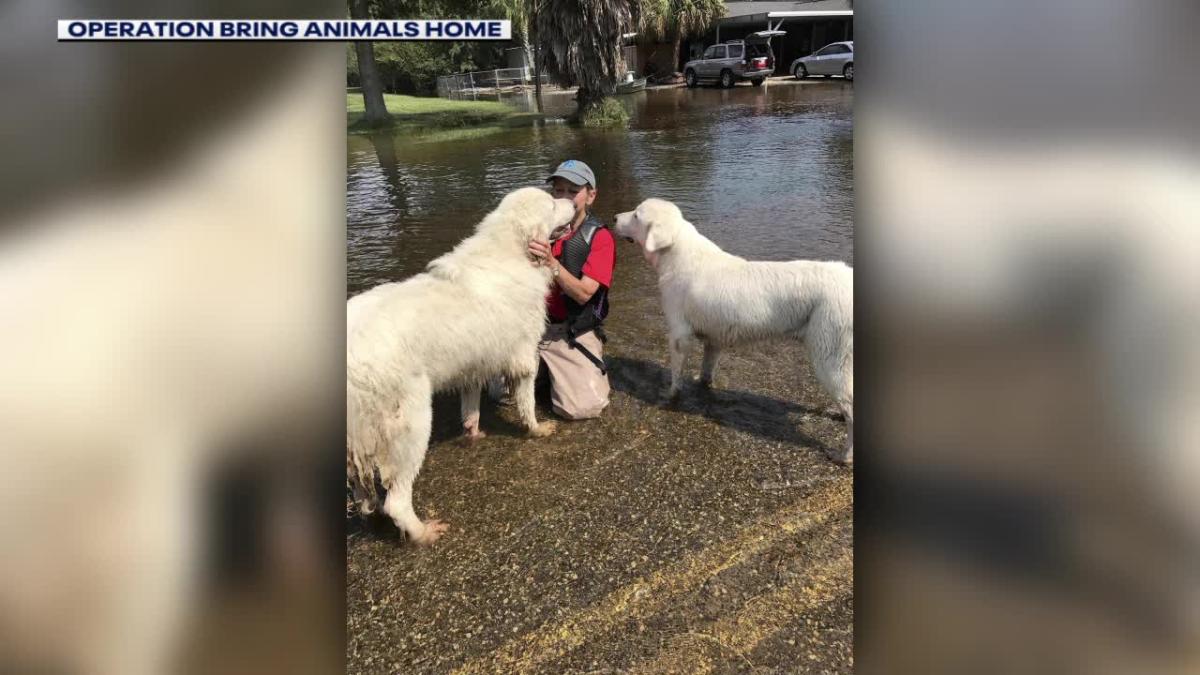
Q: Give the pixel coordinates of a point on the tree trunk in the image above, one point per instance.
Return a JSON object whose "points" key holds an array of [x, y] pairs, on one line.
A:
{"points": [[586, 98], [675, 45], [537, 78], [537, 59], [527, 48], [368, 73]]}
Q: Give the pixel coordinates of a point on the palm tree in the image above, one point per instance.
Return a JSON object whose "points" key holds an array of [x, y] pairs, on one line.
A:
{"points": [[581, 44], [519, 12], [673, 20]]}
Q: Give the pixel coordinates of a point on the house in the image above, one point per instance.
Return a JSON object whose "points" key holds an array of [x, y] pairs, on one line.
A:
{"points": [[808, 25]]}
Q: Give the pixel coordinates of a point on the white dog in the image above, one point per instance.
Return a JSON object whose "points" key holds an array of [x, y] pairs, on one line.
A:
{"points": [[477, 312], [724, 300]]}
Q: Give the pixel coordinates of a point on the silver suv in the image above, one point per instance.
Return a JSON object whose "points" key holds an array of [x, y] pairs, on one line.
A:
{"points": [[731, 61]]}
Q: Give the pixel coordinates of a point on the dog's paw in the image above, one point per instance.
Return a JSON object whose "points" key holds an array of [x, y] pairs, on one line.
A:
{"points": [[668, 396], [544, 429], [844, 457], [433, 531]]}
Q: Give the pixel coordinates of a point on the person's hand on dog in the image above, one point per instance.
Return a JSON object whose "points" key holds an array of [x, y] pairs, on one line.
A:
{"points": [[539, 252]]}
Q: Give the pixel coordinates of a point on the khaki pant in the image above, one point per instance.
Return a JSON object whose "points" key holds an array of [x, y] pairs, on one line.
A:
{"points": [[578, 390]]}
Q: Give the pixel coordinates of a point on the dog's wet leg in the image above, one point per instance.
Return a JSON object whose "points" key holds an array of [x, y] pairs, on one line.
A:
{"points": [[469, 401], [523, 391], [365, 502], [833, 364], [399, 506], [848, 458], [679, 346], [409, 441], [708, 368]]}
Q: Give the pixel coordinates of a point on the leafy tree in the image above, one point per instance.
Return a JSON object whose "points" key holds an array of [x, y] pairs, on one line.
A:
{"points": [[520, 13], [523, 14], [673, 20], [413, 67]]}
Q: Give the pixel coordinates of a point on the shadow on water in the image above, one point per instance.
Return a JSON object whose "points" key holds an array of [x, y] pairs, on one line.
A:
{"points": [[744, 411], [394, 186]]}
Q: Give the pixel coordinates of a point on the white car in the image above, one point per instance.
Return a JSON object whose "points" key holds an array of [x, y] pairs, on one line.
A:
{"points": [[830, 60]]}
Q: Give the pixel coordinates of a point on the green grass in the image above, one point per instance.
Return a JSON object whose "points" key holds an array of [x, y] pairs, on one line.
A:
{"points": [[417, 113]]}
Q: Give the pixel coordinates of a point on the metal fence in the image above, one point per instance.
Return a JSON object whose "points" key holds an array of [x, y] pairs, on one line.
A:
{"points": [[486, 83]]}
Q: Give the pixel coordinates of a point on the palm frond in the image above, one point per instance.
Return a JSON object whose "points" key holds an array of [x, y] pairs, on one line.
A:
{"points": [[581, 41]]}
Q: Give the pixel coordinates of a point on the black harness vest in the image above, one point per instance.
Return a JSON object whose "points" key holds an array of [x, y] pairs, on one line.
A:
{"points": [[589, 315]]}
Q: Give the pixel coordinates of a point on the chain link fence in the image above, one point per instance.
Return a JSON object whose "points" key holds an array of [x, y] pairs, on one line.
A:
{"points": [[487, 83]]}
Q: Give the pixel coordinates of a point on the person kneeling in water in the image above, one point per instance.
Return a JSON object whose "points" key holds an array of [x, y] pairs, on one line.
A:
{"points": [[582, 262]]}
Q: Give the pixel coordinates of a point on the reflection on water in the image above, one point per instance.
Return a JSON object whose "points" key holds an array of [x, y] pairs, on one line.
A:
{"points": [[767, 173]]}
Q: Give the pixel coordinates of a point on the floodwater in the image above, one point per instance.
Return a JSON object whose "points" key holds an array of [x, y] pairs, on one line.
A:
{"points": [[708, 536], [766, 173]]}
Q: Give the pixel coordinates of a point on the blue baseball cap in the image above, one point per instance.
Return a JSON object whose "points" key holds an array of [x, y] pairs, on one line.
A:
{"points": [[575, 171]]}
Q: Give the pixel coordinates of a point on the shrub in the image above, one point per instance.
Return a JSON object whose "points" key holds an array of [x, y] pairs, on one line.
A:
{"points": [[608, 112]]}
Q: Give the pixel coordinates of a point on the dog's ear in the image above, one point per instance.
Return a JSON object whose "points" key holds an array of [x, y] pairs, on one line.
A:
{"points": [[543, 222], [529, 210], [659, 234]]}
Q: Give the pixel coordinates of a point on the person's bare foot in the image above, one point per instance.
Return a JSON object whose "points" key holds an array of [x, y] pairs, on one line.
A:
{"points": [[544, 429], [471, 432], [434, 529]]}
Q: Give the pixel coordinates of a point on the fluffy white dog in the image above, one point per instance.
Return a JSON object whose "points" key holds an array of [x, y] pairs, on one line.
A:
{"points": [[723, 300], [477, 312]]}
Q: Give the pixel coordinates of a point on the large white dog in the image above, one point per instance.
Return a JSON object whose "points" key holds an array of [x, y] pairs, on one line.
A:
{"points": [[723, 300], [476, 313]]}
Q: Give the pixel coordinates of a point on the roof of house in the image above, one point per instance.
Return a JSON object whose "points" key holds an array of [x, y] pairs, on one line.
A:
{"points": [[737, 8]]}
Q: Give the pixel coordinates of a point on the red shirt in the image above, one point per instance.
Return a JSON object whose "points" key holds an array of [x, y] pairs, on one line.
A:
{"points": [[599, 266]]}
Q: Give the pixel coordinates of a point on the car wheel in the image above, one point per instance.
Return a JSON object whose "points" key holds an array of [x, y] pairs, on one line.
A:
{"points": [[800, 71], [726, 79], [690, 78], [758, 81], [848, 72]]}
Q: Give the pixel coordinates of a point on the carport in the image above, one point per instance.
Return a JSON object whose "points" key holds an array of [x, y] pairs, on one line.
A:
{"points": [[806, 26]]}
